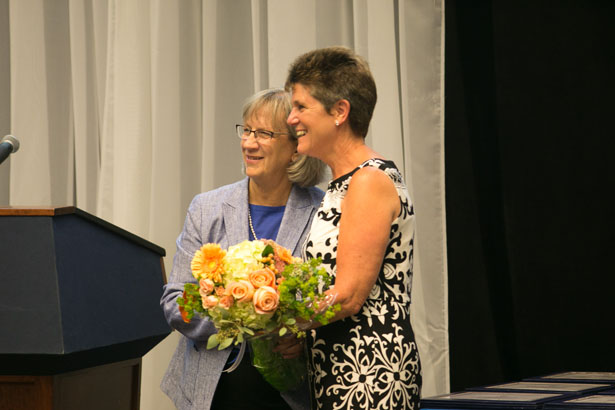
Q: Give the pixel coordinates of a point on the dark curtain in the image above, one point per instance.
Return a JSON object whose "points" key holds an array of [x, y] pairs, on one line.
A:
{"points": [[529, 181]]}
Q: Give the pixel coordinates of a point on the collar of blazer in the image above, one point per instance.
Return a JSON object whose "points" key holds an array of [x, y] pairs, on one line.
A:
{"points": [[297, 216]]}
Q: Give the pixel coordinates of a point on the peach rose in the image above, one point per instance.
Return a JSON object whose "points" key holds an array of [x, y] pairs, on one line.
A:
{"points": [[209, 301], [206, 286], [226, 301], [265, 300], [284, 255], [241, 290], [221, 291], [262, 277]]}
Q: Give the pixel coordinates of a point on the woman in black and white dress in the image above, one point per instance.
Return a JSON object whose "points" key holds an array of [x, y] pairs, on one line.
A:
{"points": [[367, 358]]}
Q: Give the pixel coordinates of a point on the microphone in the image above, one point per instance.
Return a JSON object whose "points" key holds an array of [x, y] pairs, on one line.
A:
{"points": [[8, 145]]}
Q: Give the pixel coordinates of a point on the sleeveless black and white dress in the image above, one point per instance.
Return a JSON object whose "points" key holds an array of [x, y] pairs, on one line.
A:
{"points": [[369, 360]]}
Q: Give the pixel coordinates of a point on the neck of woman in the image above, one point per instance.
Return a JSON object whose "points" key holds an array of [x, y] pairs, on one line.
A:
{"points": [[347, 154], [268, 193]]}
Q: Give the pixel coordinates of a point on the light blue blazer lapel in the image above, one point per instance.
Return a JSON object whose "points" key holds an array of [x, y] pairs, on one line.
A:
{"points": [[235, 214], [296, 220]]}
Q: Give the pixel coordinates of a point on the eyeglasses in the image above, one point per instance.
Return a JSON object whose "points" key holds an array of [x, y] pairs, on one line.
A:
{"points": [[244, 132]]}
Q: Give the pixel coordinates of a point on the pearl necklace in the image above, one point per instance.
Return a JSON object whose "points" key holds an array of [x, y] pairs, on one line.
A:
{"points": [[250, 223]]}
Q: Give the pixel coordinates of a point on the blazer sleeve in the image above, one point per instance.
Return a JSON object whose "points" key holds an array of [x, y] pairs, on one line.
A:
{"points": [[188, 242]]}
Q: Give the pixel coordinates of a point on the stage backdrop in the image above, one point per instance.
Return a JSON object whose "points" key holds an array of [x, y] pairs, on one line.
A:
{"points": [[529, 142], [125, 108]]}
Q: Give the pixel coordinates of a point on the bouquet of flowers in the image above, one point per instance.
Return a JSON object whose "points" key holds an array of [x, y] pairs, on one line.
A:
{"points": [[254, 290]]}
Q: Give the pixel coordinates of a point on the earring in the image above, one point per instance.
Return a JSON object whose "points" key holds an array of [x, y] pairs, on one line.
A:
{"points": [[337, 123]]}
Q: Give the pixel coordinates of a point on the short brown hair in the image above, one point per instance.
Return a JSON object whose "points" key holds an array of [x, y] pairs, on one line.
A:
{"points": [[335, 73], [304, 171]]}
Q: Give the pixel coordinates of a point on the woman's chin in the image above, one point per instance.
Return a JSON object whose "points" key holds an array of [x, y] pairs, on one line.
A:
{"points": [[303, 149], [250, 172]]}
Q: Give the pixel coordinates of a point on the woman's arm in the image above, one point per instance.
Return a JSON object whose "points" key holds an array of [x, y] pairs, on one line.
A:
{"points": [[187, 243], [368, 210]]}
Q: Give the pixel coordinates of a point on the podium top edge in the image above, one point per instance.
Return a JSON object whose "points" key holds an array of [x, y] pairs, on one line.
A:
{"points": [[36, 210], [67, 210]]}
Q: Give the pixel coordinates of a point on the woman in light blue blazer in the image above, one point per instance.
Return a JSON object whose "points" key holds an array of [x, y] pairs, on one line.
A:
{"points": [[276, 200]]}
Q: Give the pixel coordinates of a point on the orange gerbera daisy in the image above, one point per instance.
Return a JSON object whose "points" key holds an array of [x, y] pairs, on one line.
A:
{"points": [[207, 262]]}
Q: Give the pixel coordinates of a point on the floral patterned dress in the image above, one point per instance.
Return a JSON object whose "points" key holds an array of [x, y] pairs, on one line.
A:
{"points": [[369, 360]]}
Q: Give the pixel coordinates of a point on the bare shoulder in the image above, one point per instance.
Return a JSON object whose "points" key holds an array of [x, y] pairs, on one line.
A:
{"points": [[374, 189], [372, 179]]}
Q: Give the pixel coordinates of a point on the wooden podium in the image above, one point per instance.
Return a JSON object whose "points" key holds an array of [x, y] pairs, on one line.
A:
{"points": [[79, 307]]}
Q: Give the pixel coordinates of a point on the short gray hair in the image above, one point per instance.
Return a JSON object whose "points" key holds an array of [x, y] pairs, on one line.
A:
{"points": [[305, 171]]}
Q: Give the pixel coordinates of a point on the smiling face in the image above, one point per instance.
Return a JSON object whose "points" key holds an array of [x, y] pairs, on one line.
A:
{"points": [[313, 124], [266, 160]]}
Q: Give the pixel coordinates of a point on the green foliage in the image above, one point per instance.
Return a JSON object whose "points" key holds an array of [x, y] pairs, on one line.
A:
{"points": [[190, 301], [267, 251], [212, 341], [225, 343], [302, 295]]}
